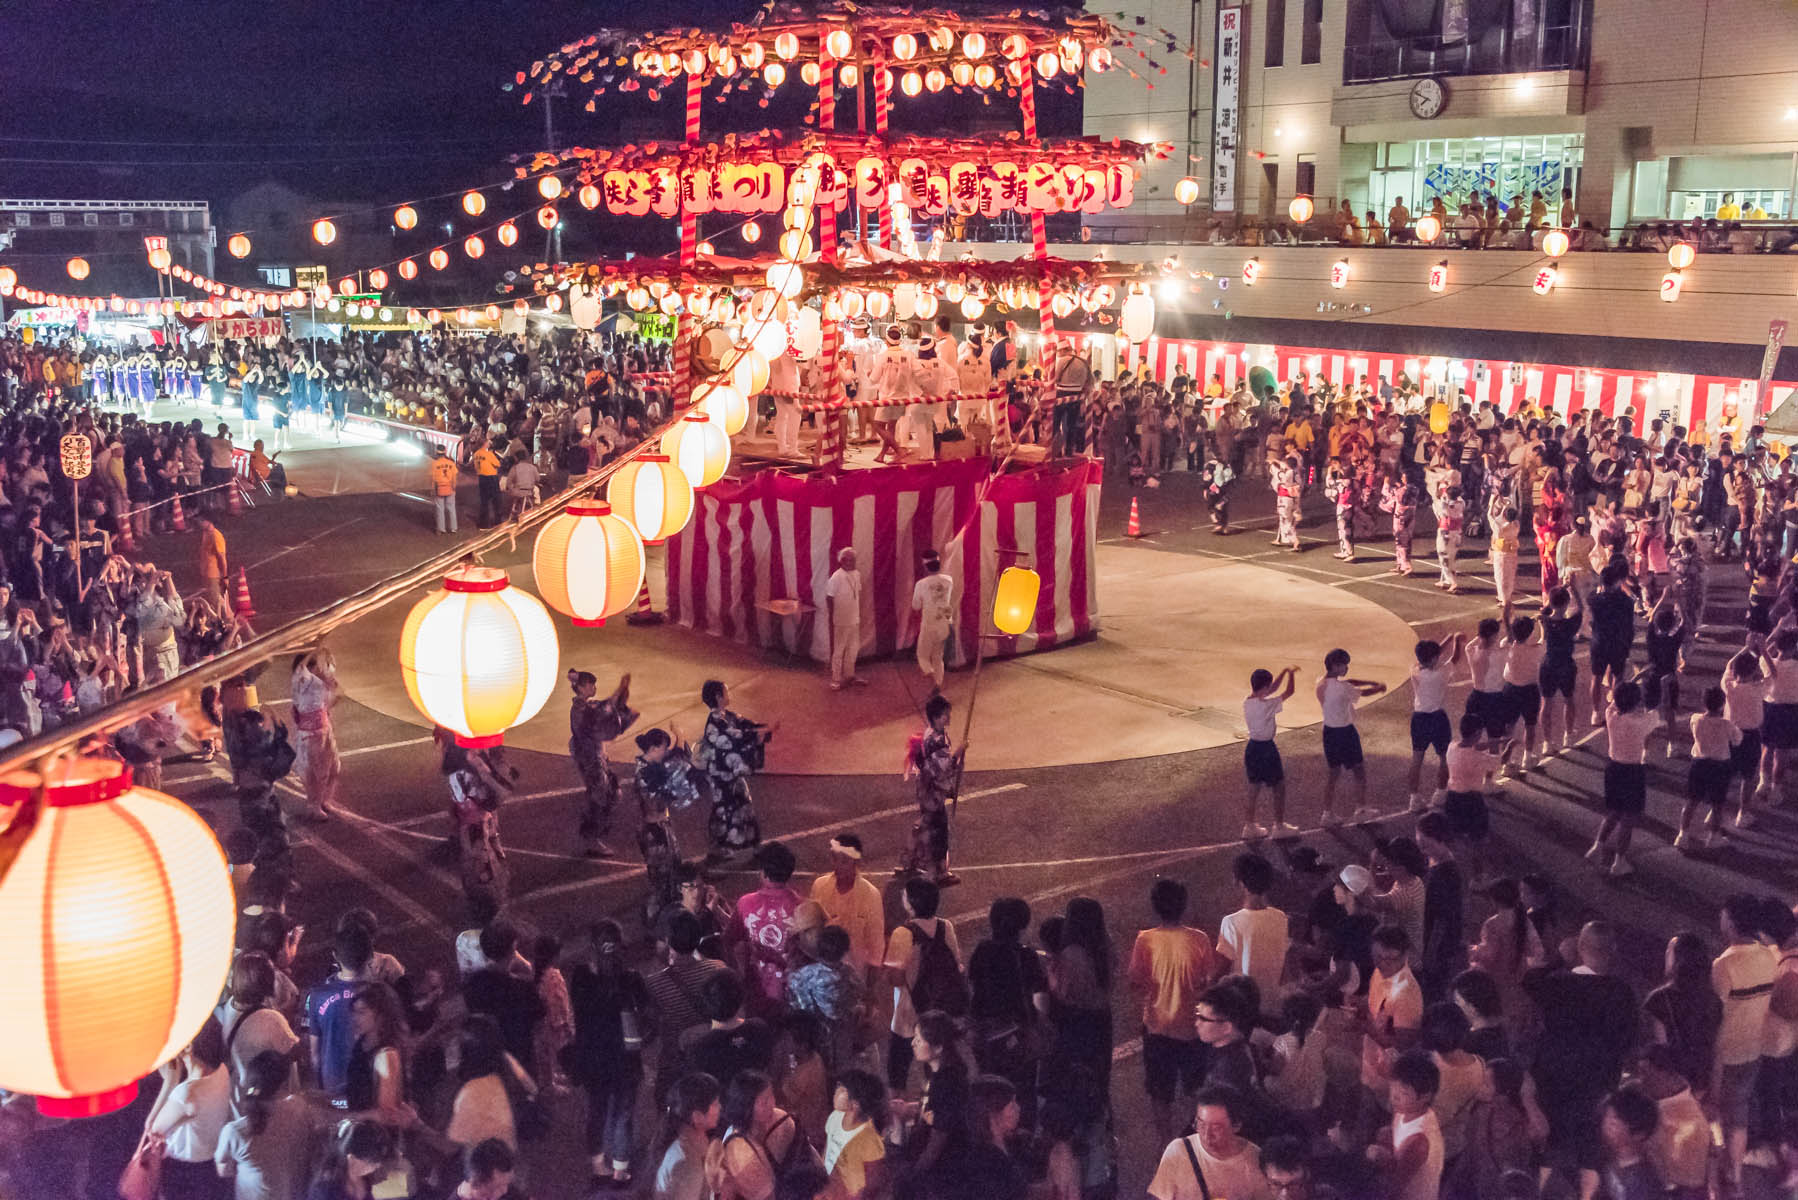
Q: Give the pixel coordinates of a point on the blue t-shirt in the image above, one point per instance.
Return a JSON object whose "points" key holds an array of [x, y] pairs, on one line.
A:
{"points": [[328, 1019]]}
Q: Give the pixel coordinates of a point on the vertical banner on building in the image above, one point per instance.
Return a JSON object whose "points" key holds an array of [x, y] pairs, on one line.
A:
{"points": [[1226, 109], [1776, 338]]}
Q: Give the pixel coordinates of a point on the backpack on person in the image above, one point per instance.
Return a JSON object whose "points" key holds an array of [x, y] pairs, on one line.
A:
{"points": [[940, 984]]}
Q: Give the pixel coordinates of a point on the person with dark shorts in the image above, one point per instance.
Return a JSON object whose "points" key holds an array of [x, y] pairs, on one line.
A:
{"points": [[1471, 764], [1558, 673], [1260, 757], [1714, 741], [1523, 688], [1486, 661], [1613, 632], [1779, 731], [1627, 726], [1429, 715], [1337, 695], [1745, 696]]}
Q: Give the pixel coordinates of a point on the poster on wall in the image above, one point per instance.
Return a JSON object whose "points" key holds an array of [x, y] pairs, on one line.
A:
{"points": [[1227, 110], [1776, 338]]}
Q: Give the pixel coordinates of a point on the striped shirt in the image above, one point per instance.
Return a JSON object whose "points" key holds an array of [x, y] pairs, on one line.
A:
{"points": [[1742, 977]]}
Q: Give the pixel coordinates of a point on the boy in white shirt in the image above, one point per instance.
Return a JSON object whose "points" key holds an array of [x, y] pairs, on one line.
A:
{"points": [[1430, 677], [1253, 939], [1627, 726], [1714, 741], [1260, 757], [1337, 695]]}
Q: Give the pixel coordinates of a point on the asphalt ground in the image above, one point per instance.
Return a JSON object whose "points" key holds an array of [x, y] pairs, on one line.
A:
{"points": [[1106, 831]]}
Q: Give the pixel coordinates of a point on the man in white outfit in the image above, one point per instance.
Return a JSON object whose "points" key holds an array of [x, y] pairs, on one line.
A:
{"points": [[893, 385], [862, 350], [783, 376], [844, 592], [933, 599]]}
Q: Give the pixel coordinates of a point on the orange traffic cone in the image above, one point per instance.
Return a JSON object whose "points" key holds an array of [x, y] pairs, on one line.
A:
{"points": [[1134, 529], [240, 596], [177, 518], [234, 496], [123, 541], [644, 615]]}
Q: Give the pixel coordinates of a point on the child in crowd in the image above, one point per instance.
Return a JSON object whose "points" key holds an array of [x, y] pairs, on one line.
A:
{"points": [[1260, 757], [1430, 729], [1337, 695]]}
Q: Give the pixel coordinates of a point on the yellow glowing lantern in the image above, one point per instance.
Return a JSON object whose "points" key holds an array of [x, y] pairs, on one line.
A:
{"points": [[838, 43], [927, 305], [795, 244], [507, 234], [751, 232], [238, 245], [1429, 228], [911, 83], [473, 246], [753, 55], [774, 74], [1300, 209], [1100, 59], [479, 656], [588, 563], [724, 402], [652, 494], [962, 73], [1439, 414], [1014, 600], [1047, 64], [549, 187], [787, 278], [473, 203], [589, 196], [849, 76], [786, 46], [408, 269], [77, 268], [439, 259], [1680, 255], [699, 447], [985, 76], [1554, 243], [1062, 304], [694, 62], [1186, 191], [879, 305], [972, 307], [1138, 319], [905, 47], [547, 217], [974, 45], [1014, 46], [120, 924], [160, 260], [405, 216]]}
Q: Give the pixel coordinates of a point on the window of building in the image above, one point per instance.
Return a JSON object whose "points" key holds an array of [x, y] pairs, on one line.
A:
{"points": [[1311, 50], [1273, 34], [1270, 189], [1454, 168], [1305, 177]]}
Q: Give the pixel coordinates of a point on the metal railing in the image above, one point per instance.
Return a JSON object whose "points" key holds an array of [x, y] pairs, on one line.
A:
{"points": [[1558, 41]]}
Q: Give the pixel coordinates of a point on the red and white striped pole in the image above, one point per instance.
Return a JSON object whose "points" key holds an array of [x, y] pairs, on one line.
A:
{"points": [[689, 254], [883, 103], [1038, 234], [832, 442]]}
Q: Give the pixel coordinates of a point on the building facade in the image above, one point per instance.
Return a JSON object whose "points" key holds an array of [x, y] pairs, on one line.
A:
{"points": [[1644, 109]]}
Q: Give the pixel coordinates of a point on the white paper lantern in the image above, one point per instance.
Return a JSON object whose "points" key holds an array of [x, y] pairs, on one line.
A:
{"points": [[1138, 321]]}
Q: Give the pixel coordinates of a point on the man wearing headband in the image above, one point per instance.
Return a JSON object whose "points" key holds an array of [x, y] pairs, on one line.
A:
{"points": [[850, 900], [933, 599], [893, 371]]}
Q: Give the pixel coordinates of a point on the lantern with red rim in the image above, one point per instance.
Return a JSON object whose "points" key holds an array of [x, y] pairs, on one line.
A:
{"points": [[652, 494], [588, 563], [119, 929], [478, 655], [699, 446]]}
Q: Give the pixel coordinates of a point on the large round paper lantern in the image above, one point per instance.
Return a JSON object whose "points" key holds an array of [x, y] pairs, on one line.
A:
{"points": [[1186, 191], [119, 925], [1439, 416], [479, 655], [1138, 319], [160, 259], [1429, 228], [588, 563], [1680, 255], [724, 403], [439, 258], [1014, 600], [324, 231], [473, 203], [473, 246], [1554, 243], [405, 216], [652, 494], [78, 268], [238, 245], [1300, 209], [549, 187], [699, 446]]}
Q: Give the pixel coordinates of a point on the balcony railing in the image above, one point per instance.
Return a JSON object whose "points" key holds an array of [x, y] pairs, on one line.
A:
{"points": [[1556, 41]]}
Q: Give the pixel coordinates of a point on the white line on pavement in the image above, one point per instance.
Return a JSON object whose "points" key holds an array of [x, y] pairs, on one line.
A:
{"points": [[302, 545], [406, 904], [383, 746]]}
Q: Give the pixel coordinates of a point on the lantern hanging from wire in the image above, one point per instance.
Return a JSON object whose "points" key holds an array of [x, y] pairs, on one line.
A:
{"points": [[724, 402], [549, 187], [1555, 243], [588, 563], [1680, 255], [439, 259], [1429, 228], [119, 928], [1138, 319], [478, 655], [77, 268], [652, 494], [547, 216], [473, 203], [324, 231], [507, 234], [1014, 600], [405, 216], [238, 245], [699, 447]]}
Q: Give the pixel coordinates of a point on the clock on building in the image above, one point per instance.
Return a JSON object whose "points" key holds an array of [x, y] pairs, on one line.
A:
{"points": [[1428, 98]]}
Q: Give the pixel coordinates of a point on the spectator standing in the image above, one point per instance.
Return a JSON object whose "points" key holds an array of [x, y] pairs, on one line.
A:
{"points": [[1170, 967]]}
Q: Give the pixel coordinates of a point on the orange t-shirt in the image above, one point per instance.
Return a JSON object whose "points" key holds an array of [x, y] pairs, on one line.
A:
{"points": [[1169, 968], [212, 555]]}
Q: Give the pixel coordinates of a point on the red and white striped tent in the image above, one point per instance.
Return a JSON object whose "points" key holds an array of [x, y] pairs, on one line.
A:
{"points": [[775, 536], [1681, 399]]}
